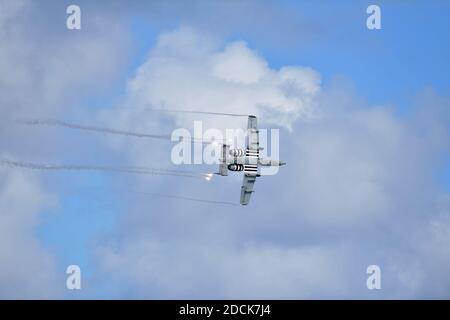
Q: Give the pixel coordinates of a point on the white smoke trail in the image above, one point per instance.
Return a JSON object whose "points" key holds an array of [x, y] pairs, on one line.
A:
{"points": [[92, 190], [69, 125], [138, 170], [207, 175], [199, 112], [58, 123], [186, 198]]}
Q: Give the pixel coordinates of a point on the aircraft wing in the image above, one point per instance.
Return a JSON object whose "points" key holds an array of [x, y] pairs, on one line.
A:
{"points": [[253, 136], [247, 188], [251, 165]]}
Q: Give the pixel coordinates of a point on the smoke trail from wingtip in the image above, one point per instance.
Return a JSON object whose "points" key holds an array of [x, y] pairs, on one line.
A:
{"points": [[208, 175], [59, 123], [138, 170], [186, 198], [172, 196], [200, 112]]}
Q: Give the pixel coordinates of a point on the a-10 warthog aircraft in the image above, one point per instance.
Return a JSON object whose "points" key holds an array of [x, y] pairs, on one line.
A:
{"points": [[247, 161]]}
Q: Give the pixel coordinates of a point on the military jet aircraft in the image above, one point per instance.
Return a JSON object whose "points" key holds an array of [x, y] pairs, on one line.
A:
{"points": [[248, 161]]}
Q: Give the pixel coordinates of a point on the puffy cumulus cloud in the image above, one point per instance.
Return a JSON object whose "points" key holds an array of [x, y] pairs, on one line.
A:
{"points": [[203, 271], [238, 64], [367, 175], [27, 270], [189, 70], [360, 188], [426, 277], [276, 272], [369, 163], [357, 162], [44, 69]]}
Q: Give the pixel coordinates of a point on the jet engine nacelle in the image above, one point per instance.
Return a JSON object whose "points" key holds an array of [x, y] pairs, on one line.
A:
{"points": [[236, 152], [235, 167]]}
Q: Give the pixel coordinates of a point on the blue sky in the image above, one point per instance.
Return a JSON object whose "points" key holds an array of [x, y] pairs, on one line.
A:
{"points": [[377, 75]]}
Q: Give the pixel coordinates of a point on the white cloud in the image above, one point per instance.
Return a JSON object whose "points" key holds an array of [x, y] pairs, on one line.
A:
{"points": [[44, 69], [357, 190], [188, 70], [203, 271], [368, 163], [237, 63], [358, 185], [41, 75], [27, 270]]}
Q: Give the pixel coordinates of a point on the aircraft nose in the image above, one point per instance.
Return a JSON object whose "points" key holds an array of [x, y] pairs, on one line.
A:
{"points": [[282, 163]]}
